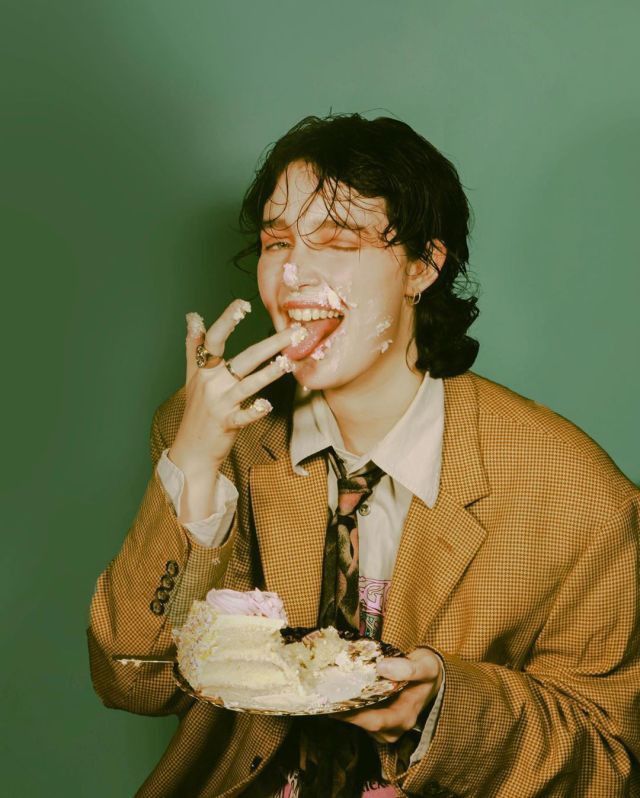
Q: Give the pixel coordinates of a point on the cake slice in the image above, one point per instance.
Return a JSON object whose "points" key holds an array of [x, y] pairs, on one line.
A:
{"points": [[230, 648], [219, 652]]}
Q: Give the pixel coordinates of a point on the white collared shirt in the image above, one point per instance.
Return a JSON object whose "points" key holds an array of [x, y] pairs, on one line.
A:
{"points": [[410, 454]]}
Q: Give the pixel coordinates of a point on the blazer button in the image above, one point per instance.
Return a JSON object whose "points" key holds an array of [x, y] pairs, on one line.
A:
{"points": [[364, 509], [167, 582], [162, 594], [172, 568], [255, 763], [157, 607]]}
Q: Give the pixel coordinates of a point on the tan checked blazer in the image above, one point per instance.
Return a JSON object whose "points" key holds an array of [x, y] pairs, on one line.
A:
{"points": [[523, 577]]}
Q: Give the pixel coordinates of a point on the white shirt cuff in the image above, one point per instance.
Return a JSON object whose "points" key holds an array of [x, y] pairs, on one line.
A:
{"points": [[209, 532], [430, 724]]}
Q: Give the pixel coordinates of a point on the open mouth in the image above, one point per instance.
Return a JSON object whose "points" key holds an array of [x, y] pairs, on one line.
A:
{"points": [[319, 322]]}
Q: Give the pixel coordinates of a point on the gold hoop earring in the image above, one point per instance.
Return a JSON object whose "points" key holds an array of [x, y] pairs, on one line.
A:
{"points": [[414, 299]]}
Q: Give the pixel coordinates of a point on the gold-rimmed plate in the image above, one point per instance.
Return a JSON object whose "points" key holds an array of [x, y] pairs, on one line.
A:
{"points": [[373, 693]]}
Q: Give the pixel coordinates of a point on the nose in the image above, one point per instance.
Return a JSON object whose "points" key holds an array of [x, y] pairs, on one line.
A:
{"points": [[307, 272]]}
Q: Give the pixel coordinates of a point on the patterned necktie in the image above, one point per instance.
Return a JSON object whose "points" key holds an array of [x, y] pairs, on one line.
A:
{"points": [[334, 758], [340, 595]]}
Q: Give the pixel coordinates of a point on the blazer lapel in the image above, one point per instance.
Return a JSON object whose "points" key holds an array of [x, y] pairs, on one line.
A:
{"points": [[291, 512], [438, 544]]}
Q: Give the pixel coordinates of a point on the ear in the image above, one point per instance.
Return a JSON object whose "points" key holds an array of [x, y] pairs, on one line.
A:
{"points": [[420, 274]]}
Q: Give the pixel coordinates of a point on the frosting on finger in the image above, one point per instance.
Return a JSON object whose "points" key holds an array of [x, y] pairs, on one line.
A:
{"points": [[195, 325]]}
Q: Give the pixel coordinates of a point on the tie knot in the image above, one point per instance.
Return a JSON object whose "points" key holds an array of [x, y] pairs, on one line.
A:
{"points": [[353, 490]]}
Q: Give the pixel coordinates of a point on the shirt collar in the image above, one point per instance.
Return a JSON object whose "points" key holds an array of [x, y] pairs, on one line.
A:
{"points": [[411, 452]]}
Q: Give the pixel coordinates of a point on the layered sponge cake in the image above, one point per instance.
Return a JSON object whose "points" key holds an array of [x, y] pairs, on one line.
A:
{"points": [[220, 653], [231, 648]]}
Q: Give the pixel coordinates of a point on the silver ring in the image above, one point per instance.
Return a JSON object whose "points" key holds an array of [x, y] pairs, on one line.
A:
{"points": [[229, 368]]}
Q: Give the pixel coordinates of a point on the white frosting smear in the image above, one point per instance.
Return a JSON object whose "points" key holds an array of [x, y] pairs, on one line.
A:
{"points": [[241, 310], [195, 325], [290, 275]]}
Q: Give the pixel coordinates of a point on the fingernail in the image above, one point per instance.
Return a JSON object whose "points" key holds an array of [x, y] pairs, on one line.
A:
{"points": [[396, 669], [241, 311], [195, 325], [285, 364], [261, 406], [299, 333]]}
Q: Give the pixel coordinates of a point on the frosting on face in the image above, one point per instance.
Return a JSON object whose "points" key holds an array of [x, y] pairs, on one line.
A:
{"points": [[346, 286], [290, 275], [251, 602]]}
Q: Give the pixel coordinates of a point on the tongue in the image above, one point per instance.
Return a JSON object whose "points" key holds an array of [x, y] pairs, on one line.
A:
{"points": [[317, 331]]}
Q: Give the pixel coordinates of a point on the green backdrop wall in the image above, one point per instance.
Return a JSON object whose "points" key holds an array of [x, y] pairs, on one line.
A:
{"points": [[131, 131]]}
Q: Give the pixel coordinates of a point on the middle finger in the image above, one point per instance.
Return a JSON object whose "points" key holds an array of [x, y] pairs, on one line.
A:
{"points": [[248, 360]]}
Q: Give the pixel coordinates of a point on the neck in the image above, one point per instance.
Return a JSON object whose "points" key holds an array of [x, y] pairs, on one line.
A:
{"points": [[386, 393]]}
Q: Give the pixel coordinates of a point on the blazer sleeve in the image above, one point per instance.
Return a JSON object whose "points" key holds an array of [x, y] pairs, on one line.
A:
{"points": [[143, 593], [568, 723]]}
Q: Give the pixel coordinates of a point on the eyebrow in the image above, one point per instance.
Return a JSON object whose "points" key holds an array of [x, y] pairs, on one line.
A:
{"points": [[279, 224]]}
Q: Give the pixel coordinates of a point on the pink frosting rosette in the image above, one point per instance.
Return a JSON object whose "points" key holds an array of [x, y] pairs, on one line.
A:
{"points": [[251, 602]]}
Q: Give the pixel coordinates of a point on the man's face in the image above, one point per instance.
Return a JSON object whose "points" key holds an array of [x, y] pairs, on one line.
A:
{"points": [[339, 282]]}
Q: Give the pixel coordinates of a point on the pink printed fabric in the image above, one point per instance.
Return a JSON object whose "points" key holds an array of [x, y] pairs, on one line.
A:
{"points": [[373, 599]]}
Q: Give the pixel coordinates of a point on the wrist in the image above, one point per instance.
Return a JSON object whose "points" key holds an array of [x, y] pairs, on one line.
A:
{"points": [[195, 469]]}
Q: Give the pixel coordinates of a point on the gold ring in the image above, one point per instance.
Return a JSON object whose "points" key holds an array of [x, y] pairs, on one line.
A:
{"points": [[202, 355], [229, 368]]}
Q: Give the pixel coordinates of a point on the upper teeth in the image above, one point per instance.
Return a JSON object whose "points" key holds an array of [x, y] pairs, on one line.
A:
{"points": [[309, 314]]}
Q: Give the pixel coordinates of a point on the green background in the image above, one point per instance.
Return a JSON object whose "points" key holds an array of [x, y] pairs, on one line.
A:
{"points": [[131, 130]]}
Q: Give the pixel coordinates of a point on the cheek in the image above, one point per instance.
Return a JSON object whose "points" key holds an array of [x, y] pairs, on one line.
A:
{"points": [[267, 286]]}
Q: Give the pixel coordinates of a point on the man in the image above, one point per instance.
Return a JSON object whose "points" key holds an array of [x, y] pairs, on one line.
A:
{"points": [[497, 545]]}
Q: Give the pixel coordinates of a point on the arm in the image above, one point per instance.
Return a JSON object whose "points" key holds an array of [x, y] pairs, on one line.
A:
{"points": [[121, 617], [567, 724]]}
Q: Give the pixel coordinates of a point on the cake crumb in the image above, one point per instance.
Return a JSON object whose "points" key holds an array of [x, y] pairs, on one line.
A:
{"points": [[300, 333], [195, 325], [241, 310], [261, 405], [285, 364]]}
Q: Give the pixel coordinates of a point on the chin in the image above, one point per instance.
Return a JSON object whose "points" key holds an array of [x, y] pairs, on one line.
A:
{"points": [[326, 376]]}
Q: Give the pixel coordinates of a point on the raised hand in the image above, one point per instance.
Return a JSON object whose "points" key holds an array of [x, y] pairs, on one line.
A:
{"points": [[213, 414]]}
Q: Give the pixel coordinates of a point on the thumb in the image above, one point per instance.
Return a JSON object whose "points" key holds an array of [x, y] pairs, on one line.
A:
{"points": [[195, 335]]}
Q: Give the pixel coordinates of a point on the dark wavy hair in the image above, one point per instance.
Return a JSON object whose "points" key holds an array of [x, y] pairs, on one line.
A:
{"points": [[424, 200]]}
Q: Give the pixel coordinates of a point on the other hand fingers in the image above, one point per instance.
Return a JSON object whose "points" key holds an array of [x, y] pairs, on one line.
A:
{"points": [[420, 665]]}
